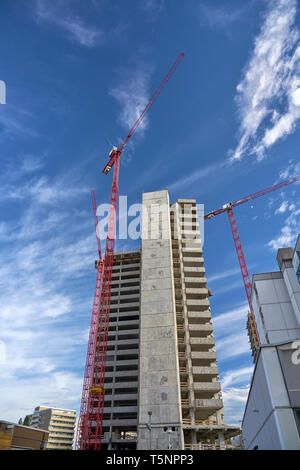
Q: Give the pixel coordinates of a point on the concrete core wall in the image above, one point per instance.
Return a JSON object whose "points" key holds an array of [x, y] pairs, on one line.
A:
{"points": [[159, 391]]}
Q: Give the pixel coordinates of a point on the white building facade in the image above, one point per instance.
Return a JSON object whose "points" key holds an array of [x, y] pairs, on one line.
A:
{"points": [[272, 414], [275, 299]]}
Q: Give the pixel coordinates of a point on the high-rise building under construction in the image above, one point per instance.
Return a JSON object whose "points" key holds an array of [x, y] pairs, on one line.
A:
{"points": [[162, 388]]}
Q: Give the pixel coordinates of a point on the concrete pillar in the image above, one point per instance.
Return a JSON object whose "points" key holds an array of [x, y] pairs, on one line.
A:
{"points": [[159, 390], [222, 442]]}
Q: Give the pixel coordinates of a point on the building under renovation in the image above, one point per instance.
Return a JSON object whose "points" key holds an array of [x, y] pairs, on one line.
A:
{"points": [[162, 388]]}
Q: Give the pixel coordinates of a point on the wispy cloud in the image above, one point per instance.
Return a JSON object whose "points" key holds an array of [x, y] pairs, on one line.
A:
{"points": [[31, 163], [289, 208], [268, 95], [237, 376], [230, 331], [220, 276], [221, 18], [132, 94], [16, 122], [46, 262], [234, 399], [195, 177], [235, 389], [153, 8], [58, 14]]}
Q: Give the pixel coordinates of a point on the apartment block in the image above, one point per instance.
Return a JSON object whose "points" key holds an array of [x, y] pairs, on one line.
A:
{"points": [[59, 422], [162, 388]]}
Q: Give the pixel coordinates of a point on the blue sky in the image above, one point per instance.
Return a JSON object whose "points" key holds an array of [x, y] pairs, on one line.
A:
{"points": [[226, 125]]}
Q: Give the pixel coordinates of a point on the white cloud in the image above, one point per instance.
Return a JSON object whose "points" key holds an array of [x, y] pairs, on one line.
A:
{"points": [[84, 35], [132, 94], [282, 208], [289, 232], [222, 18], [153, 8], [16, 122], [234, 400], [57, 13], [235, 389], [233, 345], [291, 206], [223, 275], [195, 177], [45, 263], [30, 164], [58, 389], [237, 376], [268, 95], [230, 332], [224, 319]]}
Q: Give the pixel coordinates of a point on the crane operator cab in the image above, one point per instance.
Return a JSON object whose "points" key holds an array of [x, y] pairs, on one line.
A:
{"points": [[111, 160], [229, 205]]}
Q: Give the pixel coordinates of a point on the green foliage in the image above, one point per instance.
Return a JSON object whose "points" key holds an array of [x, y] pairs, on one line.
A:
{"points": [[26, 421]]}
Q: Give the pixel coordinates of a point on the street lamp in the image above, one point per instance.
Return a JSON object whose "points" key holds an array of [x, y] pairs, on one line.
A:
{"points": [[149, 427], [169, 435]]}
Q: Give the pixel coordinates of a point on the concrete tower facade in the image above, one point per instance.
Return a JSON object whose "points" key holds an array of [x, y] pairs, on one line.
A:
{"points": [[162, 387]]}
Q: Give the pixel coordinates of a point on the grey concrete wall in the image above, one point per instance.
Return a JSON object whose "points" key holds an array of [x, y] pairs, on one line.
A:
{"points": [[159, 390]]}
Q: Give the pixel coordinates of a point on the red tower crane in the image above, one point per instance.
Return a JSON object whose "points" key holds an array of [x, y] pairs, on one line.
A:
{"points": [[89, 430], [238, 245]]}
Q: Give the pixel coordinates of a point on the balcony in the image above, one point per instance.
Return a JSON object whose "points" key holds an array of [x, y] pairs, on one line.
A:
{"points": [[193, 261], [193, 271], [197, 304], [203, 358], [199, 317], [209, 405], [201, 330], [202, 344], [196, 292], [204, 372], [194, 282], [206, 390]]}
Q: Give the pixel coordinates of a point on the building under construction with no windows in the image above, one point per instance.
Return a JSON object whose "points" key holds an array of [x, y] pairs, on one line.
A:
{"points": [[162, 388]]}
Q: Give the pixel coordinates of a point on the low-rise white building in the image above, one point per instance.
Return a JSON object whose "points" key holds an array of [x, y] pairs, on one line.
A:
{"points": [[275, 299], [272, 414]]}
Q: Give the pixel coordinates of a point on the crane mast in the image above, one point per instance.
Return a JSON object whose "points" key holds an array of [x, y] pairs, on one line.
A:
{"points": [[87, 382], [90, 427]]}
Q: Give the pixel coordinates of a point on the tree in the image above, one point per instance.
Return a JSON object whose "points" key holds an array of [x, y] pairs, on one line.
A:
{"points": [[26, 421], [20, 421]]}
